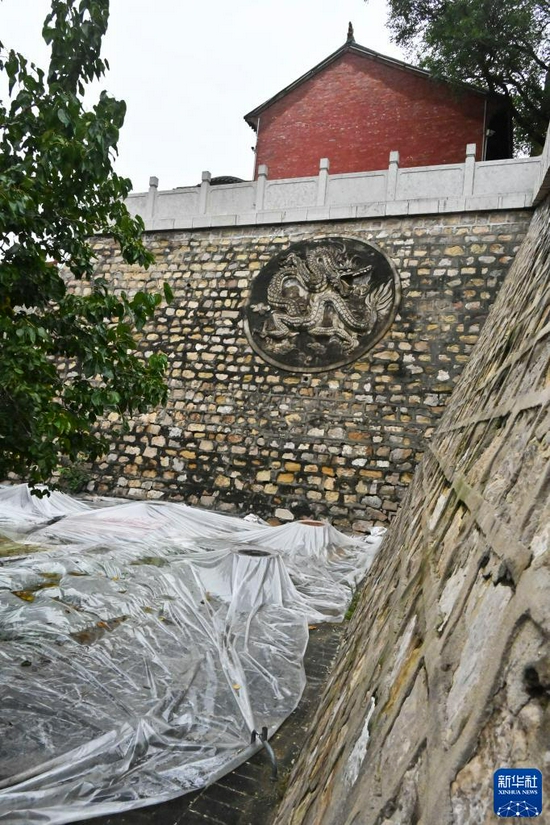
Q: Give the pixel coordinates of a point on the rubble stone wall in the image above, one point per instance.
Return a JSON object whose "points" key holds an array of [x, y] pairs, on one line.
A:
{"points": [[239, 434], [444, 674]]}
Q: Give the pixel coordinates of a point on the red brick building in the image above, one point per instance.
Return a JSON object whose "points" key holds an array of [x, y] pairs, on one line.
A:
{"points": [[357, 105]]}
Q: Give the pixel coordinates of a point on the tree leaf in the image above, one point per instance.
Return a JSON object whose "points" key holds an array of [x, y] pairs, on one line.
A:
{"points": [[69, 354]]}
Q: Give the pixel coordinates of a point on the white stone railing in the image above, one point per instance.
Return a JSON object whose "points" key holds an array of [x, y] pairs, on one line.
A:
{"points": [[460, 187]]}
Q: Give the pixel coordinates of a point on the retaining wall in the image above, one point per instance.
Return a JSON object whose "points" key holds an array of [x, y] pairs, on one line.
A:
{"points": [[444, 675], [239, 434]]}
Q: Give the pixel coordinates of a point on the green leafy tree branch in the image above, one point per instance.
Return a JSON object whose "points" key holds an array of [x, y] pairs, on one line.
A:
{"points": [[66, 359], [500, 45]]}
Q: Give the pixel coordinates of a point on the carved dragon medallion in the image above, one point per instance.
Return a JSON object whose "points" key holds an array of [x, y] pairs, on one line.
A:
{"points": [[321, 304]]}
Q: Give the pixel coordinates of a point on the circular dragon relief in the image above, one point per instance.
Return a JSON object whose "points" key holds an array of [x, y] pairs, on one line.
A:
{"points": [[321, 304]]}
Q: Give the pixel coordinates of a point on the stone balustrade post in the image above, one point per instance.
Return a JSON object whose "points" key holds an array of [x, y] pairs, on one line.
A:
{"points": [[469, 170], [261, 186], [150, 203], [393, 171], [204, 192], [322, 181]]}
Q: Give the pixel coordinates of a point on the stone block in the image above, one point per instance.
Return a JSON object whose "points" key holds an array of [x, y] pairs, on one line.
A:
{"points": [[283, 514]]}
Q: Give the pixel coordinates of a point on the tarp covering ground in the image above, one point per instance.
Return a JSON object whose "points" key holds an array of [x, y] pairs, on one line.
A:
{"points": [[141, 644]]}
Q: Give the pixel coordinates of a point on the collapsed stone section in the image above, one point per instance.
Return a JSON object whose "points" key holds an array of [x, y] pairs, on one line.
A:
{"points": [[450, 637], [238, 433]]}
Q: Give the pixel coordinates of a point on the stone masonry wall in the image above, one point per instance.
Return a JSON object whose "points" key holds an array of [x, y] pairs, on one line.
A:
{"points": [[444, 675], [239, 434]]}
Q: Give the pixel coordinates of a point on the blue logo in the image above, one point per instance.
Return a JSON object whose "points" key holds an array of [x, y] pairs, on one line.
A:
{"points": [[517, 792]]}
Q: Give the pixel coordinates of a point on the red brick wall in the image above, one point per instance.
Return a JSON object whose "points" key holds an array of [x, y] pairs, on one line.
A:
{"points": [[356, 111]]}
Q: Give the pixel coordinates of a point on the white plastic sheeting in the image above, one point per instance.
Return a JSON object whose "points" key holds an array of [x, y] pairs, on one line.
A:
{"points": [[142, 643]]}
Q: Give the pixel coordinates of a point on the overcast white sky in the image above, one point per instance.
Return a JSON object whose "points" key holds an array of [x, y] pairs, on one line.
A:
{"points": [[189, 71]]}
